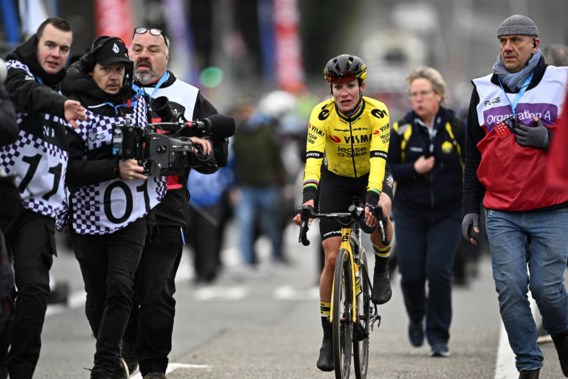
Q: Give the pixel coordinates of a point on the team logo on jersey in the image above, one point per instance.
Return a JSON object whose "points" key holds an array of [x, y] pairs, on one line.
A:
{"points": [[323, 114], [447, 147], [378, 113], [335, 139]]}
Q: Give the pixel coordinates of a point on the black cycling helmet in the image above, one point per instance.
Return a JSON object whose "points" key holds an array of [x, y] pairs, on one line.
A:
{"points": [[344, 66]]}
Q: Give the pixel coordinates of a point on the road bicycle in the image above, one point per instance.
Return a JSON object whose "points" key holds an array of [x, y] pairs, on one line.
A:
{"points": [[353, 315]]}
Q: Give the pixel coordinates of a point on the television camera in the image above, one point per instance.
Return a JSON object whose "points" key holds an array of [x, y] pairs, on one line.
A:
{"points": [[164, 148]]}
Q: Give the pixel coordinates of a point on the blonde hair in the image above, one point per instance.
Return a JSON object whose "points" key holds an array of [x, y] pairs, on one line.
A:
{"points": [[433, 76]]}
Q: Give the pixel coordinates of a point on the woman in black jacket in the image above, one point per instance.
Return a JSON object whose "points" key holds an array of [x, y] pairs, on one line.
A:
{"points": [[425, 155]]}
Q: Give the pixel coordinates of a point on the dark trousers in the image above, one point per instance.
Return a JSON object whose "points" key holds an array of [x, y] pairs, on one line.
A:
{"points": [[108, 264], [425, 252], [205, 234], [152, 320], [31, 242]]}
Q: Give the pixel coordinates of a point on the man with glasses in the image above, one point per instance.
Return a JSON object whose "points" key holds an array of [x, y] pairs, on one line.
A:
{"points": [[149, 333]]}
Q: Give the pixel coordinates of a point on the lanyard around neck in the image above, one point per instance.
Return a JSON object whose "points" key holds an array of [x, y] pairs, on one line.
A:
{"points": [[164, 77], [519, 95]]}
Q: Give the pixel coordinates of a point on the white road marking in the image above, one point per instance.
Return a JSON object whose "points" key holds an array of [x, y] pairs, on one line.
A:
{"points": [[295, 294], [221, 293]]}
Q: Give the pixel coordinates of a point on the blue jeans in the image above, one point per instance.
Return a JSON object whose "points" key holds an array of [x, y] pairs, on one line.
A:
{"points": [[539, 240], [263, 201], [426, 250]]}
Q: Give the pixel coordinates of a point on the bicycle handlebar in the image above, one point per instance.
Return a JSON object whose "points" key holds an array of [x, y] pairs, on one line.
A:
{"points": [[355, 214]]}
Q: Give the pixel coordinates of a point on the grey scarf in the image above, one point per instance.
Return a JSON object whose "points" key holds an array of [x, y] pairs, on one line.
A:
{"points": [[514, 80]]}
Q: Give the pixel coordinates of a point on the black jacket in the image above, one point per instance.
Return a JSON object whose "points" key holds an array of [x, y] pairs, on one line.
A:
{"points": [[439, 192], [31, 96], [100, 164]]}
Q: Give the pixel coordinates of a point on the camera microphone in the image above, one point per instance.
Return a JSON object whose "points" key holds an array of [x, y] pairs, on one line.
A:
{"points": [[216, 126]]}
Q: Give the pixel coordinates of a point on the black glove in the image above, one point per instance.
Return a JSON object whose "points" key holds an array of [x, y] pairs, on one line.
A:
{"points": [[372, 198], [470, 220], [532, 136]]}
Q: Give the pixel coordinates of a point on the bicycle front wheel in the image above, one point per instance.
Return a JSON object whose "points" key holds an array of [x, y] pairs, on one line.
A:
{"points": [[361, 344], [342, 324]]}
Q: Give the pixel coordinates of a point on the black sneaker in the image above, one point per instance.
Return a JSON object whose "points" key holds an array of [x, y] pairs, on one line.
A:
{"points": [[128, 353], [531, 374], [325, 360], [382, 291], [100, 374], [155, 375], [416, 334], [561, 344], [440, 350]]}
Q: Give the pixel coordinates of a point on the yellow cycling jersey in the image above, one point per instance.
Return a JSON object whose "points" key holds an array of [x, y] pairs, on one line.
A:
{"points": [[351, 146]]}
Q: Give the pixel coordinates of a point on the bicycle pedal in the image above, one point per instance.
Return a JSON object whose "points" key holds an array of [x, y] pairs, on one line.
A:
{"points": [[359, 332]]}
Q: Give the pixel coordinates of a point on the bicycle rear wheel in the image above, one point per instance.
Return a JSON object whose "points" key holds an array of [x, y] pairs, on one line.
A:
{"points": [[342, 325], [361, 345]]}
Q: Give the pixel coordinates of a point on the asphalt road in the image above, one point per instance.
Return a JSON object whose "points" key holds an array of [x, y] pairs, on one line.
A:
{"points": [[268, 327]]}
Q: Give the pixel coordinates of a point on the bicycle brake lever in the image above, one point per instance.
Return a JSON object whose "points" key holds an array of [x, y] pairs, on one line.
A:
{"points": [[303, 238], [358, 214], [306, 212], [381, 219]]}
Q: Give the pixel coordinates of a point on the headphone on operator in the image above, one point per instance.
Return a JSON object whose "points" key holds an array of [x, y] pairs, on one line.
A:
{"points": [[87, 61]]}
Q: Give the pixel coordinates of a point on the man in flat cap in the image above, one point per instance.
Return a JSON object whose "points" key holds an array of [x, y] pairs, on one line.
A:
{"points": [[510, 124]]}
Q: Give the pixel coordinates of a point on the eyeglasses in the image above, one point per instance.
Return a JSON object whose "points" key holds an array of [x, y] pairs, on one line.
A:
{"points": [[420, 93], [154, 32]]}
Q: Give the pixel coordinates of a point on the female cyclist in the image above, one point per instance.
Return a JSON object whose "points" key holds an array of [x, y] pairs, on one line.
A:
{"points": [[346, 151]]}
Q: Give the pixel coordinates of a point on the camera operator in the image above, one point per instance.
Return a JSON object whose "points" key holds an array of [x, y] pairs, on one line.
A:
{"points": [[108, 214], [151, 324], [38, 161]]}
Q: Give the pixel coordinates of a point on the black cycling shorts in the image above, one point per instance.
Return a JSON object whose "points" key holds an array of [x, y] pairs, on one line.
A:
{"points": [[336, 194]]}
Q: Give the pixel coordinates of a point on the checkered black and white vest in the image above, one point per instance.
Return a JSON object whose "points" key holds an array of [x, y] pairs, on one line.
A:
{"points": [[38, 160], [106, 207]]}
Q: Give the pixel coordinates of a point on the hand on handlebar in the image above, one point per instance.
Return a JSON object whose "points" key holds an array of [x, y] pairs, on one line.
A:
{"points": [[304, 213], [377, 215], [304, 218]]}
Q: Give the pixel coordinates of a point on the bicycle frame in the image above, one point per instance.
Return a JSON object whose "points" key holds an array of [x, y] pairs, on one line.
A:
{"points": [[349, 346], [348, 228], [347, 244]]}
